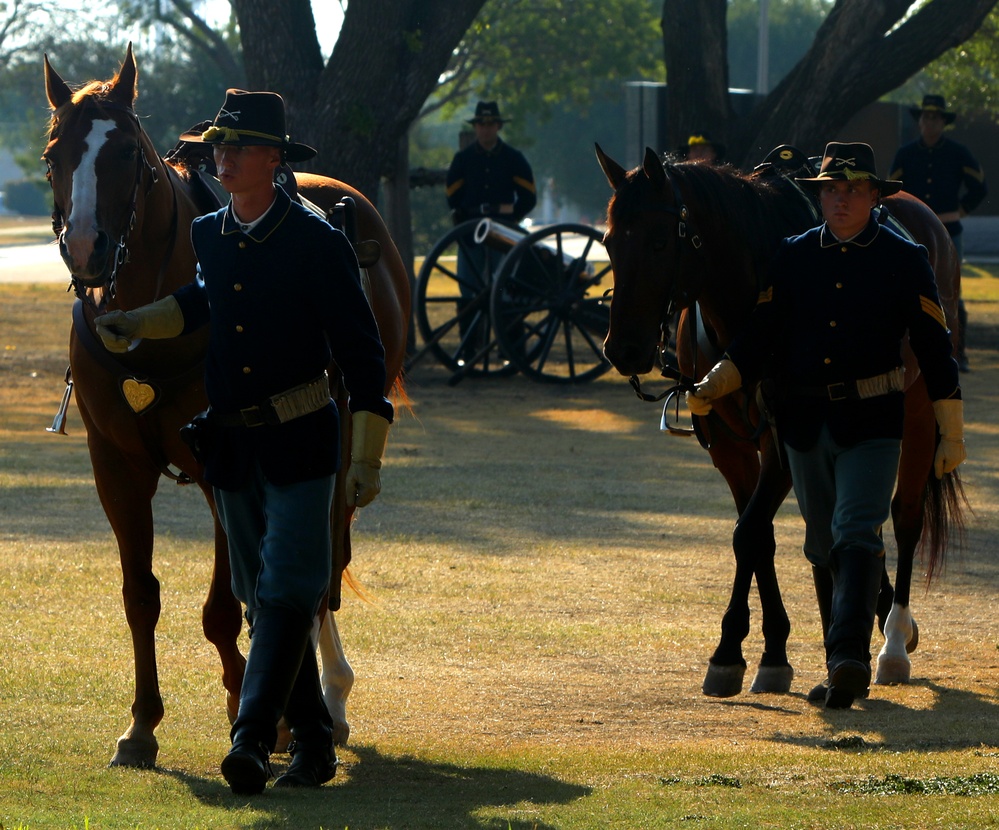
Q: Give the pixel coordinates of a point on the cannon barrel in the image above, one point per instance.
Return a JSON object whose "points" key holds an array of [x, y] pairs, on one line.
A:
{"points": [[504, 237]]}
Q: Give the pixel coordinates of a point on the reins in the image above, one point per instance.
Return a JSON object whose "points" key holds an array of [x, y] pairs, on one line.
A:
{"points": [[677, 299]]}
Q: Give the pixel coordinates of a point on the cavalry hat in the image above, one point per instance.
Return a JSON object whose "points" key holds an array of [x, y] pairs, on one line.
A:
{"points": [[252, 118], [487, 111], [786, 157], [851, 162], [933, 103], [703, 139]]}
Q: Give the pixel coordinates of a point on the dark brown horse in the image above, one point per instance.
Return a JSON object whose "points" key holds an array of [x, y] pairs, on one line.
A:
{"points": [[123, 217], [697, 239]]}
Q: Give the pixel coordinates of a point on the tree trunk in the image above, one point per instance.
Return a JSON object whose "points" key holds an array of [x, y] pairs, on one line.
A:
{"points": [[695, 41], [857, 56], [356, 108]]}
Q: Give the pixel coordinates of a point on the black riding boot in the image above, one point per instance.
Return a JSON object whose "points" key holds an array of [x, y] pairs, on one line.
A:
{"points": [[856, 582], [823, 579], [313, 757], [279, 639]]}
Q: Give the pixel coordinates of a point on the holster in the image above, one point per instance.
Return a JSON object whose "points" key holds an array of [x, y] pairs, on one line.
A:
{"points": [[200, 436]]}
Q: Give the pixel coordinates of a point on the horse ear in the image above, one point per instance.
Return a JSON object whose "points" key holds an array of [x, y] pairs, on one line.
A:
{"points": [[653, 167], [55, 87], [612, 170], [123, 90]]}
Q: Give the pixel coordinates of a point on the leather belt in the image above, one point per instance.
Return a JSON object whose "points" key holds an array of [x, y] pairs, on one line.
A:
{"points": [[279, 409], [855, 390]]}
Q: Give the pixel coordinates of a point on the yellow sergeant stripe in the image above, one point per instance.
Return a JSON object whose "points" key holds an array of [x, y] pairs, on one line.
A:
{"points": [[933, 309], [765, 296], [454, 187], [975, 173], [524, 183]]}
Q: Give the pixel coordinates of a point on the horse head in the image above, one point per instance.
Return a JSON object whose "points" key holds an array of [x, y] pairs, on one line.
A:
{"points": [[648, 239], [97, 161]]}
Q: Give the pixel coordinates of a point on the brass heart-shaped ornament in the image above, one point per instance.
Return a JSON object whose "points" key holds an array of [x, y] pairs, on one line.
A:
{"points": [[138, 395]]}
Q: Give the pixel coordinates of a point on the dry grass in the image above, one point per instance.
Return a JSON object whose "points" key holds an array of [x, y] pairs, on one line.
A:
{"points": [[548, 575]]}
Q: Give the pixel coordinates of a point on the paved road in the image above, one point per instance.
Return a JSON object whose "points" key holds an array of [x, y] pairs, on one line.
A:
{"points": [[32, 263]]}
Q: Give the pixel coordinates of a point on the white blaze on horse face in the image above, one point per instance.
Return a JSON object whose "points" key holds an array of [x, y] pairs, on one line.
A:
{"points": [[81, 226]]}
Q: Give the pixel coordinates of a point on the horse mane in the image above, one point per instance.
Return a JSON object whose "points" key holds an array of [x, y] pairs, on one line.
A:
{"points": [[731, 210]]}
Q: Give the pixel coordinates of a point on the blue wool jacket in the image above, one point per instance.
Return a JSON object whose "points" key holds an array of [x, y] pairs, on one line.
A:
{"points": [[945, 176], [282, 300], [499, 176], [837, 312]]}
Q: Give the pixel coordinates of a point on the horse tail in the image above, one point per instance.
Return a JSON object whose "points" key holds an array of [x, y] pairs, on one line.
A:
{"points": [[944, 501]]}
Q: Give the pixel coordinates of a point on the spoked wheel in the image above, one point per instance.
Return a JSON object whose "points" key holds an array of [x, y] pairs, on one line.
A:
{"points": [[548, 307], [452, 305]]}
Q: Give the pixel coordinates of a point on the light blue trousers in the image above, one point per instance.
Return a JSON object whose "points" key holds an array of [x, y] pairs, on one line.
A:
{"points": [[844, 494], [279, 542]]}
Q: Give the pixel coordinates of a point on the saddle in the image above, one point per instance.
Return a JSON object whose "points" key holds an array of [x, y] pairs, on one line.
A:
{"points": [[198, 160]]}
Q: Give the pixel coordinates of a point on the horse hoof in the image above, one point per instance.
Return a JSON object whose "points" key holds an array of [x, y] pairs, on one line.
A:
{"points": [[136, 753], [913, 640], [773, 679], [341, 734], [893, 670], [723, 681]]}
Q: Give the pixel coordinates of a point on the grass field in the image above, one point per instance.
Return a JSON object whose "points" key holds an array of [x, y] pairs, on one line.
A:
{"points": [[547, 575]]}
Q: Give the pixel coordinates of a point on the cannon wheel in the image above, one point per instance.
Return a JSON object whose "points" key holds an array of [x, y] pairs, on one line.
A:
{"points": [[548, 308], [453, 312]]}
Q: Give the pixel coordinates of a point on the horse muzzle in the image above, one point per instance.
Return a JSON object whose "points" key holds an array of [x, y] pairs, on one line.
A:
{"points": [[629, 357], [90, 264]]}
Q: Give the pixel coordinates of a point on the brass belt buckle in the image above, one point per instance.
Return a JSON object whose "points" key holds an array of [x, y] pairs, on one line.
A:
{"points": [[837, 391]]}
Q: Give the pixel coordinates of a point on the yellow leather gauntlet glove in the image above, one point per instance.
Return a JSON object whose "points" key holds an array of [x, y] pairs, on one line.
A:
{"points": [[162, 319], [950, 451], [367, 445], [723, 378]]}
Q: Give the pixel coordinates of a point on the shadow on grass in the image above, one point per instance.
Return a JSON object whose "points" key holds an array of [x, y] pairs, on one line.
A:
{"points": [[390, 791], [943, 725]]}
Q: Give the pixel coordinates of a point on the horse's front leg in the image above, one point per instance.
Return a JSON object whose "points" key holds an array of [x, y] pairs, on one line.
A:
{"points": [[222, 616], [739, 464], [126, 493], [337, 678]]}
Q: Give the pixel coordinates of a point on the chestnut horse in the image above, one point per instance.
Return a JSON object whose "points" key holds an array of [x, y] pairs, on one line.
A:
{"points": [[698, 239], [123, 217]]}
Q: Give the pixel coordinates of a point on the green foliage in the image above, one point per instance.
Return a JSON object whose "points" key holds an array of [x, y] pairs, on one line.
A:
{"points": [[29, 197], [965, 76], [792, 26], [982, 783], [538, 55]]}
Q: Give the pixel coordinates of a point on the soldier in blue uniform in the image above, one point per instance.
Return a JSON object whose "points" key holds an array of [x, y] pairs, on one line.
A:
{"points": [[945, 175], [280, 289], [489, 177], [829, 329]]}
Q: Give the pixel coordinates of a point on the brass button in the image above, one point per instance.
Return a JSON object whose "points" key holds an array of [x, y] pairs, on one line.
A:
{"points": [[843, 249], [247, 370], [242, 244], [832, 324], [827, 361], [839, 285], [237, 286], [239, 329]]}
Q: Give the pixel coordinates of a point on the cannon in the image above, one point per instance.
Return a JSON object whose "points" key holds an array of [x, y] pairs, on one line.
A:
{"points": [[493, 299]]}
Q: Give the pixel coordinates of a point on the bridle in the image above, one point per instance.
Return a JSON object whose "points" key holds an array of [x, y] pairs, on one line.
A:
{"points": [[676, 299], [120, 253]]}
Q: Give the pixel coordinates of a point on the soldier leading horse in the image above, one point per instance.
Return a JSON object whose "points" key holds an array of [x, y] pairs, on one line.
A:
{"points": [[123, 219], [697, 239]]}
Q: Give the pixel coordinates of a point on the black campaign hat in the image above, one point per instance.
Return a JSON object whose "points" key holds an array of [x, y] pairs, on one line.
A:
{"points": [[252, 118], [933, 103], [851, 162], [487, 111]]}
